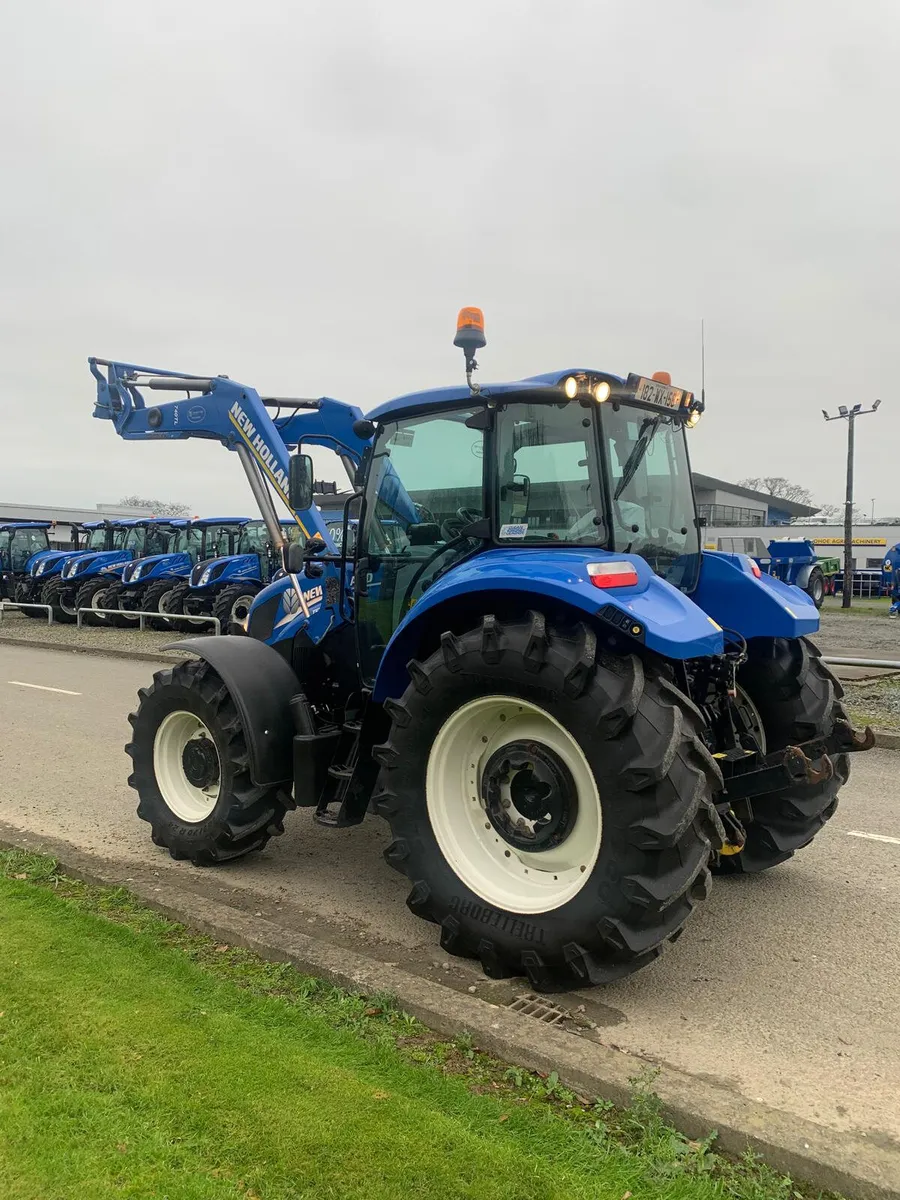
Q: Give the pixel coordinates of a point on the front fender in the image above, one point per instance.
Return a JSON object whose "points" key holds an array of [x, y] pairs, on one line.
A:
{"points": [[764, 607], [261, 684], [666, 620]]}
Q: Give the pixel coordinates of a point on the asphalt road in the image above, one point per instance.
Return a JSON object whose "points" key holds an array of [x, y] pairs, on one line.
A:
{"points": [[785, 986]]}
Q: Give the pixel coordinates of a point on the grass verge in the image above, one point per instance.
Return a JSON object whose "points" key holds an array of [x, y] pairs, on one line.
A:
{"points": [[874, 702], [139, 1059]]}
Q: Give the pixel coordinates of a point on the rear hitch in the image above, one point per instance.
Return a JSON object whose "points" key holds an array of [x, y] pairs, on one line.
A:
{"points": [[849, 740]]}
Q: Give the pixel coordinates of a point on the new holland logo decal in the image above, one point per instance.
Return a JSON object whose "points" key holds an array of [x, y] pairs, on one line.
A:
{"points": [[296, 601]]}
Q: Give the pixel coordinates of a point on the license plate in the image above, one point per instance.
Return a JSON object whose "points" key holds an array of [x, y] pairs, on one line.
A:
{"points": [[662, 395]]}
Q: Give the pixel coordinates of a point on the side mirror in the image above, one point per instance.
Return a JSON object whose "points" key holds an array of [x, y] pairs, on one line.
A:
{"points": [[294, 558], [300, 482]]}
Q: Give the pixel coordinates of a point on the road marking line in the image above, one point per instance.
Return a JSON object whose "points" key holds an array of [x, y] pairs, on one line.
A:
{"points": [[39, 687], [873, 837]]}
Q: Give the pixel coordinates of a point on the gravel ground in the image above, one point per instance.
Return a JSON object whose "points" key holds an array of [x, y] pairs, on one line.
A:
{"points": [[15, 626], [863, 634]]}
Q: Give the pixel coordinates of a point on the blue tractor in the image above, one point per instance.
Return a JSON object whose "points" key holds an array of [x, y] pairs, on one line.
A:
{"points": [[22, 546], [47, 585], [226, 585], [568, 714], [158, 583], [85, 578]]}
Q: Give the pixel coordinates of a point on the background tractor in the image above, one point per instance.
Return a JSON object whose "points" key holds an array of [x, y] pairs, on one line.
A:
{"points": [[226, 586], [569, 715], [86, 577], [46, 584], [22, 545], [159, 583]]}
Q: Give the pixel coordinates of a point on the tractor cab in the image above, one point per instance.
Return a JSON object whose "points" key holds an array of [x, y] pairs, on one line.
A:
{"points": [[22, 544], [577, 462]]}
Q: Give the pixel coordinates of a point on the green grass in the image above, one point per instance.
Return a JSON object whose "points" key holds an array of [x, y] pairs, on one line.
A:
{"points": [[861, 606], [138, 1059]]}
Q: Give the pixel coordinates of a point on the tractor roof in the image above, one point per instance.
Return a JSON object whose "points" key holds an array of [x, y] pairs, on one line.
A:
{"points": [[130, 522], [460, 393], [204, 521], [25, 525]]}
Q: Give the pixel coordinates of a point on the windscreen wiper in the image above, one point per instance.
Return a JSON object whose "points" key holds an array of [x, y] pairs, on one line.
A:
{"points": [[635, 458]]}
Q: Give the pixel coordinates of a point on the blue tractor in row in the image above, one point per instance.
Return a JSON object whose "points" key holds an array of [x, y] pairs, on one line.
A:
{"points": [[158, 582], [85, 577], [43, 584], [569, 715], [23, 544]]}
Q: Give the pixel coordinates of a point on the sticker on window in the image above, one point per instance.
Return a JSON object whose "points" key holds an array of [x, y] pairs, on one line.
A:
{"points": [[403, 437], [513, 531]]}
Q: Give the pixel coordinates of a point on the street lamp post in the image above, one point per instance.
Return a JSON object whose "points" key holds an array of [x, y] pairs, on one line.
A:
{"points": [[849, 415]]}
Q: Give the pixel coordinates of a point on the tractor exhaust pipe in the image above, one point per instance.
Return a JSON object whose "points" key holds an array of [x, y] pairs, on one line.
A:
{"points": [[263, 498]]}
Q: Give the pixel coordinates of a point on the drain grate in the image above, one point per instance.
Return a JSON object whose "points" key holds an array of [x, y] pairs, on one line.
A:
{"points": [[534, 1006]]}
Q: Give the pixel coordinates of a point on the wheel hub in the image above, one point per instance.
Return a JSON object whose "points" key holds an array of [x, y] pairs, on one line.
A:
{"points": [[200, 762], [529, 796]]}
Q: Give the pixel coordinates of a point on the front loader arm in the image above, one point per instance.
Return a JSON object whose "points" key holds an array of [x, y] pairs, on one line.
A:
{"points": [[217, 408]]}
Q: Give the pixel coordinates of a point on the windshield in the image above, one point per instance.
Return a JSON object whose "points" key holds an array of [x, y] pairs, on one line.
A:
{"points": [[253, 539], [652, 500], [97, 539], [22, 544], [187, 541], [551, 487]]}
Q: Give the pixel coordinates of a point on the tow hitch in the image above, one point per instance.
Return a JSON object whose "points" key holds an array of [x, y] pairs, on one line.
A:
{"points": [[808, 764]]}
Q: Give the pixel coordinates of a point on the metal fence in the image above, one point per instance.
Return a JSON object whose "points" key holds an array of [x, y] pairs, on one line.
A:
{"points": [[142, 617], [13, 605]]}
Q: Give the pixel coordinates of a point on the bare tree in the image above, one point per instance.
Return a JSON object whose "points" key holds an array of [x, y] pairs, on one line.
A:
{"points": [[779, 487], [159, 508]]}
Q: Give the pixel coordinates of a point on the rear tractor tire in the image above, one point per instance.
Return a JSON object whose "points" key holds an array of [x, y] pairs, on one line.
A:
{"points": [[797, 698], [60, 595], [232, 606], [91, 595], [191, 770], [553, 810], [22, 594]]}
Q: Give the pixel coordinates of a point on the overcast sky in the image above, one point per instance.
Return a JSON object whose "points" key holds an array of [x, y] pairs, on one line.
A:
{"points": [[301, 195]]}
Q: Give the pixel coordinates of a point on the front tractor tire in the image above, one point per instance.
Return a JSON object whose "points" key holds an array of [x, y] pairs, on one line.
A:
{"points": [[191, 770], [232, 606], [60, 595], [797, 698], [553, 810], [23, 594], [159, 596], [91, 595]]}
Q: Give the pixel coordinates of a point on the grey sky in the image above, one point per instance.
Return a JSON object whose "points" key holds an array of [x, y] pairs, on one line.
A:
{"points": [[301, 195]]}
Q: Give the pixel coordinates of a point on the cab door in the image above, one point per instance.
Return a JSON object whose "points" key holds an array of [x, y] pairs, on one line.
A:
{"points": [[426, 488]]}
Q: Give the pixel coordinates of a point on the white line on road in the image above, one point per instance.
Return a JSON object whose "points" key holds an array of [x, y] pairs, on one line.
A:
{"points": [[873, 837], [39, 687]]}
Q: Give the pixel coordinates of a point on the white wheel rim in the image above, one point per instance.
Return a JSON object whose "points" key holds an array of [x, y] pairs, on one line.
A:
{"points": [[189, 803], [163, 602], [68, 606], [508, 878], [240, 610], [95, 599]]}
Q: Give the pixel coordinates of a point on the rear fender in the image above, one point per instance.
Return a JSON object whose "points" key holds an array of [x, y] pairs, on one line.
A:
{"points": [[651, 613], [261, 684], [765, 607]]}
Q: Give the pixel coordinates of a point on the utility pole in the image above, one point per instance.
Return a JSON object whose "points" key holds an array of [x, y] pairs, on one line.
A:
{"points": [[872, 518], [849, 415]]}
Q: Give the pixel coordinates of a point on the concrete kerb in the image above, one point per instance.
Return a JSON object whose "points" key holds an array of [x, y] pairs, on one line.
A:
{"points": [[103, 651], [849, 1163]]}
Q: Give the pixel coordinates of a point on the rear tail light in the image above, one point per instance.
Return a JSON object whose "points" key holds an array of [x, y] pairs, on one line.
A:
{"points": [[612, 574], [754, 568]]}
